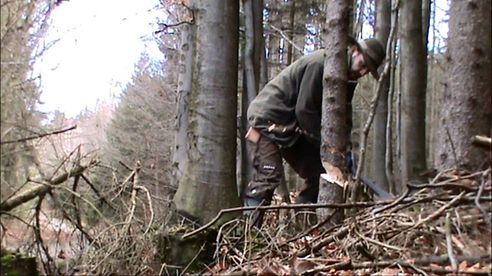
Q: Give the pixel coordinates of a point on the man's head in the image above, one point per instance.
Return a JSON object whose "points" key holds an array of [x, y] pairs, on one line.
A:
{"points": [[365, 56]]}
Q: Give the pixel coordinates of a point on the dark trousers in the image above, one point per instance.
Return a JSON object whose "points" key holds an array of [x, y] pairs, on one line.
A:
{"points": [[303, 157]]}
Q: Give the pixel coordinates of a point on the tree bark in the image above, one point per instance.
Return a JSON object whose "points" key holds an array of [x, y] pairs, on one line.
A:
{"points": [[209, 180], [334, 132], [383, 26], [251, 81], [413, 90], [183, 100], [467, 97]]}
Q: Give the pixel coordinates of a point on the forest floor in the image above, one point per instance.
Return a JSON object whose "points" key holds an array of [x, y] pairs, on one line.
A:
{"points": [[440, 227]]}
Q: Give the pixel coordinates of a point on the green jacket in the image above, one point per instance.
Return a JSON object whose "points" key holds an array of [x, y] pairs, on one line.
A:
{"points": [[292, 101]]}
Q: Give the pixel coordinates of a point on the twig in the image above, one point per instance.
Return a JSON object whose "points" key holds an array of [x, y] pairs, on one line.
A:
{"points": [[166, 26], [38, 136], [479, 194], [439, 211], [47, 265], [192, 260], [342, 231], [308, 231], [394, 203], [378, 242], [426, 261], [96, 191], [278, 207], [286, 38], [151, 209], [339, 265], [449, 244], [77, 223]]}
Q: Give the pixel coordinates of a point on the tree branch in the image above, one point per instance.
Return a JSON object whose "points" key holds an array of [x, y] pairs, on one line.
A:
{"points": [[38, 136], [34, 192]]}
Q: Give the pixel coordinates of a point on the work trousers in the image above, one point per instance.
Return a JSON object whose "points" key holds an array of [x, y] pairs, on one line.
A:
{"points": [[303, 157]]}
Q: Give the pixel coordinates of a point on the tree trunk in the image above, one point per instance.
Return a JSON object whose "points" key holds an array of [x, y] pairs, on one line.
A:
{"points": [[183, 100], [334, 132], [209, 180], [383, 26], [413, 86], [467, 97], [251, 80]]}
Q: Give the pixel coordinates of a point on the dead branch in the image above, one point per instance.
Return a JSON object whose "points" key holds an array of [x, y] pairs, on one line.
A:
{"points": [[39, 190], [393, 235], [165, 26], [38, 136], [279, 207], [482, 141], [287, 39]]}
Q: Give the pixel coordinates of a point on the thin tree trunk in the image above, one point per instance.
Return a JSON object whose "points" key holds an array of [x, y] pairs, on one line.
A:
{"points": [[383, 26], [290, 48], [334, 132], [252, 50], [391, 103], [413, 87]]}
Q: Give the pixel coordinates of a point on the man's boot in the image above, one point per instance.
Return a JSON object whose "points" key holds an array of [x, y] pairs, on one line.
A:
{"points": [[256, 216], [309, 194]]}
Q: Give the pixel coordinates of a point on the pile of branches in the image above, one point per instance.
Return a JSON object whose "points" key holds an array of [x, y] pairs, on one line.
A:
{"points": [[440, 227]]}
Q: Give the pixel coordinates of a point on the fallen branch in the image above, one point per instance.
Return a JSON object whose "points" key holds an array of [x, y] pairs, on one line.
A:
{"points": [[42, 189]]}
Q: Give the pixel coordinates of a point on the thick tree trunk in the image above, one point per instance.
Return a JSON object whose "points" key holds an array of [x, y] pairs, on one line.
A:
{"points": [[467, 98], [413, 89], [383, 26], [209, 180], [334, 132]]}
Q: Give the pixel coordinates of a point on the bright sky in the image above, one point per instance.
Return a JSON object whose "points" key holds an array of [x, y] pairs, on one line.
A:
{"points": [[99, 43]]}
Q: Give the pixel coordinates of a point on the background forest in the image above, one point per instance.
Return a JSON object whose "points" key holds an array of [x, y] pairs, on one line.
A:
{"points": [[104, 192]]}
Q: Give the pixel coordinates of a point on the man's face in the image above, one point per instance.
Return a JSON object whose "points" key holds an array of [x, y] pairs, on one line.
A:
{"points": [[358, 66]]}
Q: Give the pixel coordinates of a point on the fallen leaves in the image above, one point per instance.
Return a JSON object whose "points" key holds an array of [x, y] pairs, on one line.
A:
{"points": [[397, 238]]}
